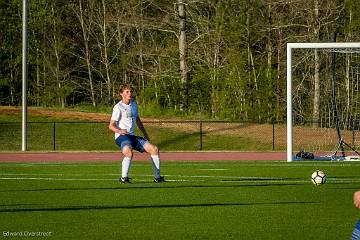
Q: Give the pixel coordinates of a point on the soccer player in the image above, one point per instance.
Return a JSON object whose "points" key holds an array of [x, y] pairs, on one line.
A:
{"points": [[356, 232], [123, 120]]}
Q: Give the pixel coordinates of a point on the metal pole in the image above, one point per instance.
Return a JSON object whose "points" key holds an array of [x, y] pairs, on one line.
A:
{"points": [[289, 102], [273, 136], [201, 136], [353, 132], [54, 136], [24, 75]]}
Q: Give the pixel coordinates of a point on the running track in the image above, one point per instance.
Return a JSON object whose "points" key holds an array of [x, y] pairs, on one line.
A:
{"points": [[117, 156]]}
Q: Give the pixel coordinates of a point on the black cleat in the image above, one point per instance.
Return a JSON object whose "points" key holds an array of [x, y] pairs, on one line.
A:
{"points": [[159, 179], [124, 180]]}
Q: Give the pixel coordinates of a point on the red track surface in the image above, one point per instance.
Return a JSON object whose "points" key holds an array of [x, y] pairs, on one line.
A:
{"points": [[117, 156]]}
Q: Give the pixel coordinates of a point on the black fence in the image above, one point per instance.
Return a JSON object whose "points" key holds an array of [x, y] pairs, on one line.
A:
{"points": [[173, 136]]}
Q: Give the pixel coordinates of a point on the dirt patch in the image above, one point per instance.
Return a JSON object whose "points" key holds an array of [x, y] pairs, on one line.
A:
{"points": [[63, 114], [66, 114]]}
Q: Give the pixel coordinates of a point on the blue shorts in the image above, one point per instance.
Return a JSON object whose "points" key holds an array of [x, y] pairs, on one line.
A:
{"points": [[135, 142], [356, 232]]}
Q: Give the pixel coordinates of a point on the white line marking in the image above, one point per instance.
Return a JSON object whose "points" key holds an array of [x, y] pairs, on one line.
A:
{"points": [[56, 179], [213, 169]]}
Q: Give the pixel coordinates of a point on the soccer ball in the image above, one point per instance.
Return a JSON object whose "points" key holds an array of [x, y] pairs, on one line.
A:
{"points": [[318, 177]]}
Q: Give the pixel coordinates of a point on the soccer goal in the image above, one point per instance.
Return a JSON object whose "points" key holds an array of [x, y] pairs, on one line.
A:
{"points": [[323, 101]]}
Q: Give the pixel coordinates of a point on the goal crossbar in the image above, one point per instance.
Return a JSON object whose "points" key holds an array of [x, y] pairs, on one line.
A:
{"points": [[289, 112]]}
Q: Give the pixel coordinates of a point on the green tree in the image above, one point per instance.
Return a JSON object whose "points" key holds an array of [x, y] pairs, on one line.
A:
{"points": [[10, 52]]}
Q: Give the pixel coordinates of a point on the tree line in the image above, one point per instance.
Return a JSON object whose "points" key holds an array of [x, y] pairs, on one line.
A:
{"points": [[224, 59]]}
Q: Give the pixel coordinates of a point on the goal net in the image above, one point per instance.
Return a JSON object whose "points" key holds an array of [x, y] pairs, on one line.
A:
{"points": [[323, 101]]}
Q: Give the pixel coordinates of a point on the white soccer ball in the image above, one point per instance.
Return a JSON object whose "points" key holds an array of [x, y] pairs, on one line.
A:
{"points": [[318, 177]]}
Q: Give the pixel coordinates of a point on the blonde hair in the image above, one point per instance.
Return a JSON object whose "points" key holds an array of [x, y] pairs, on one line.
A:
{"points": [[125, 86]]}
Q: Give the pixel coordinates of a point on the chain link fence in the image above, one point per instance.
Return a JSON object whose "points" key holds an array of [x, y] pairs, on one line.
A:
{"points": [[325, 139], [173, 136]]}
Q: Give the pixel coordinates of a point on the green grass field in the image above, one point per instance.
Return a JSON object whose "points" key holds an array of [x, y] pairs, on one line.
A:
{"points": [[201, 200]]}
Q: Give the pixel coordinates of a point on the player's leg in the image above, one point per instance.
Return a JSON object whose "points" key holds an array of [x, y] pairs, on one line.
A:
{"points": [[125, 144], [142, 145], [126, 164], [155, 159], [153, 150]]}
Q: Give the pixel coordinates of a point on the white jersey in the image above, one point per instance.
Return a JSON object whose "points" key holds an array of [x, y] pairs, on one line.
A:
{"points": [[125, 116]]}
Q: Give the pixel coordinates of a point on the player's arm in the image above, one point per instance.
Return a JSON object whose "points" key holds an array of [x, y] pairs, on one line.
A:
{"points": [[357, 199], [114, 128], [142, 128]]}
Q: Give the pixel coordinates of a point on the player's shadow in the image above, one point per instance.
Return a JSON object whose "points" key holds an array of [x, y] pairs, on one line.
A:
{"points": [[134, 186], [97, 207]]}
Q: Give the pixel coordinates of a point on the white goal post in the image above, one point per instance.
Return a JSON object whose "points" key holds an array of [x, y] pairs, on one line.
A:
{"points": [[290, 48]]}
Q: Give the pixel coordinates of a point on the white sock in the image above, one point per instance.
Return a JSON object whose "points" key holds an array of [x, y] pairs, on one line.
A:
{"points": [[155, 159], [125, 166]]}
